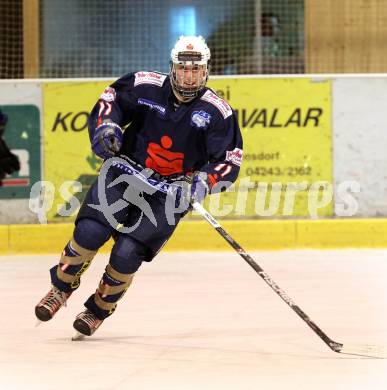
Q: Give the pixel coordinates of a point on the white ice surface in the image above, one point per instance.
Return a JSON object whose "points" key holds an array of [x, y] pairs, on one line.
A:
{"points": [[202, 321]]}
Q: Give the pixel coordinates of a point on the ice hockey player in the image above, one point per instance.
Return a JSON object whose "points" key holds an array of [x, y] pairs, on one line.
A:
{"points": [[9, 162], [175, 127]]}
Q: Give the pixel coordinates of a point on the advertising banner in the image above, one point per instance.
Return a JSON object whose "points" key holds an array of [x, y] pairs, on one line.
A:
{"points": [[22, 136], [68, 157], [287, 136]]}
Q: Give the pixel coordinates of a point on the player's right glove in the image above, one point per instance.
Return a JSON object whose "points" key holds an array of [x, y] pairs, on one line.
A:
{"points": [[107, 140]]}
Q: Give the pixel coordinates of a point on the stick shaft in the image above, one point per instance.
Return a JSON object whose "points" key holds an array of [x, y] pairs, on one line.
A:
{"points": [[211, 220]]}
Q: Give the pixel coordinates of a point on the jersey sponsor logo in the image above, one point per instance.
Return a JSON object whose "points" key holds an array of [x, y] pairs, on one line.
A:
{"points": [[108, 95], [235, 156], [149, 78], [218, 102], [162, 160], [152, 105], [200, 119]]}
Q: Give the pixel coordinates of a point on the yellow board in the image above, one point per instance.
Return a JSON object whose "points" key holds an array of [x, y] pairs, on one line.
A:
{"points": [[4, 244], [67, 152], [200, 236], [253, 235], [39, 238], [286, 127], [343, 233]]}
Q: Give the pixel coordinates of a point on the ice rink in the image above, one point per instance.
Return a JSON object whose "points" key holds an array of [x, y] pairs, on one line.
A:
{"points": [[202, 321]]}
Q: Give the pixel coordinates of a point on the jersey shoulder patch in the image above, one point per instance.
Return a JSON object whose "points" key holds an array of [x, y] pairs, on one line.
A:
{"points": [[211, 97], [149, 78], [109, 94]]}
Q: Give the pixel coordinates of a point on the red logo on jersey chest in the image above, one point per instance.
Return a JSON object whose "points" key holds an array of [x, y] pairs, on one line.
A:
{"points": [[162, 160]]}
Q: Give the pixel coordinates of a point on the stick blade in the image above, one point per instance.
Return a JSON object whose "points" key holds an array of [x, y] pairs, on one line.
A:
{"points": [[366, 350]]}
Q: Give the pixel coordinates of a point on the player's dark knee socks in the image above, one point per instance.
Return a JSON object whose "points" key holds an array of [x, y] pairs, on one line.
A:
{"points": [[76, 257], [125, 259]]}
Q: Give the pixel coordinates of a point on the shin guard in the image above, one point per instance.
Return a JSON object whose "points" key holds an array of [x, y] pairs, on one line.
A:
{"points": [[73, 263], [111, 289]]}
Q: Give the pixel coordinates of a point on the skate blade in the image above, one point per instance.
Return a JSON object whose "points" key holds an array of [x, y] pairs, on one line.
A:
{"points": [[37, 323], [78, 337]]}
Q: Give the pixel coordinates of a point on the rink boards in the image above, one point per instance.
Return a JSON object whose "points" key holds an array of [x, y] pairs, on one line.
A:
{"points": [[316, 129], [199, 236], [296, 129]]}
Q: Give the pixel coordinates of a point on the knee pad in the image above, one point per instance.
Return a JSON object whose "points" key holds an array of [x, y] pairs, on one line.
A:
{"points": [[91, 234], [127, 255]]}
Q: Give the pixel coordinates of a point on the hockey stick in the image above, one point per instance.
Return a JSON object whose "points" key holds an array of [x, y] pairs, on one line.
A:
{"points": [[350, 349]]}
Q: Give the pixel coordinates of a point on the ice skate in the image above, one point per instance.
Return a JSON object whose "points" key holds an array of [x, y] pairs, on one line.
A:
{"points": [[86, 323], [50, 304]]}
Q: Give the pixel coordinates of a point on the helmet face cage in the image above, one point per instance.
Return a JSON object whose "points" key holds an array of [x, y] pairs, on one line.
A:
{"points": [[189, 67]]}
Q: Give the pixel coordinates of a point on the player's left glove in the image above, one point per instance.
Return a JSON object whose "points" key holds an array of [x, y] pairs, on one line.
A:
{"points": [[199, 187], [193, 189], [107, 140]]}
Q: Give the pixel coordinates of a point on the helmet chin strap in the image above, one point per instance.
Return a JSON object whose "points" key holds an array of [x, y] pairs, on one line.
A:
{"points": [[180, 98]]}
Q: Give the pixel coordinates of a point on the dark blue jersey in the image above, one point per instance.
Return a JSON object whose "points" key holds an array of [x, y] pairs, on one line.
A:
{"points": [[202, 135]]}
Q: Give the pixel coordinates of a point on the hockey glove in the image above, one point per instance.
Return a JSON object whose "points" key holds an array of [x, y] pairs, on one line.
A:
{"points": [[193, 189], [107, 140], [199, 187]]}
